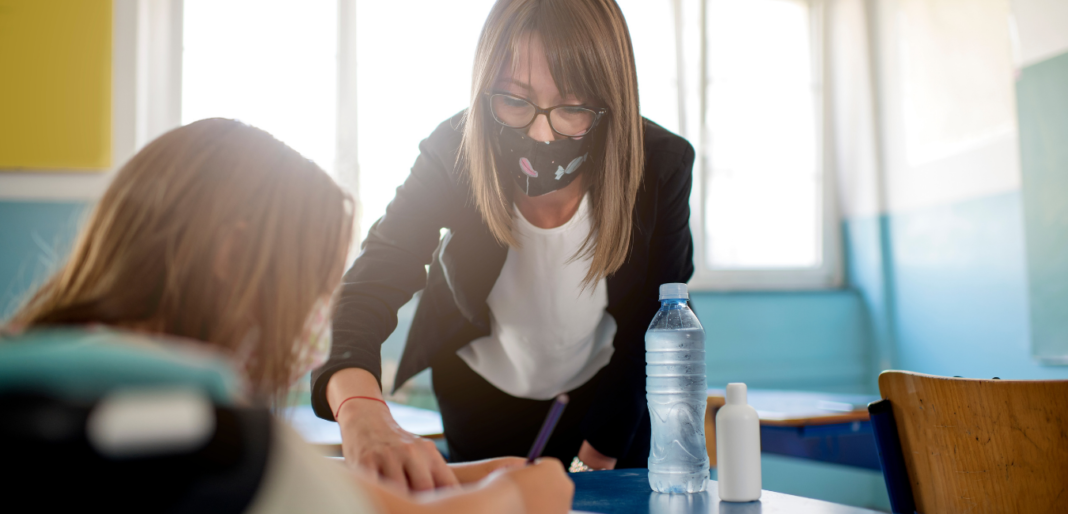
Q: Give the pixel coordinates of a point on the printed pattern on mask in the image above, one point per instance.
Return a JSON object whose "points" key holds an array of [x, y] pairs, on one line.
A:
{"points": [[560, 171]]}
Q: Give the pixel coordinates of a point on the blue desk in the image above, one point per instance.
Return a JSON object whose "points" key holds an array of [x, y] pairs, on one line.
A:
{"points": [[627, 492], [830, 428]]}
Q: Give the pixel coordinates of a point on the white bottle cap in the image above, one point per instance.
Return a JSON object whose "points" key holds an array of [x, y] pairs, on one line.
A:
{"points": [[737, 394], [673, 290]]}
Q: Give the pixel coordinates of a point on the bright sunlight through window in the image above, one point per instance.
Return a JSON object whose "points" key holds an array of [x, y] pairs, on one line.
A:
{"points": [[273, 64], [763, 195], [414, 72], [425, 77], [268, 63]]}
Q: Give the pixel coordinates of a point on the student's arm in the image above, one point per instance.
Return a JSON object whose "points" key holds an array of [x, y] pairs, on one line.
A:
{"points": [[540, 488], [389, 270]]}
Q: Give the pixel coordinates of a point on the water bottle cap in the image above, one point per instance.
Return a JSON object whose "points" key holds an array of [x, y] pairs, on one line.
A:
{"points": [[737, 394], [673, 290]]}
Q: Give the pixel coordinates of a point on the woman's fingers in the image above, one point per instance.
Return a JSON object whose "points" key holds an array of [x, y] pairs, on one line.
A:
{"points": [[373, 440], [595, 459], [417, 468], [392, 469], [442, 474]]}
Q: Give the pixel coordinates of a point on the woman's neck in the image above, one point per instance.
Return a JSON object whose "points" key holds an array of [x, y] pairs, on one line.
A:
{"points": [[552, 209]]}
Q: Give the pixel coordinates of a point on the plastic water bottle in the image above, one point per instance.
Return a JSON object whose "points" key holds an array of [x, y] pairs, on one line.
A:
{"points": [[676, 390]]}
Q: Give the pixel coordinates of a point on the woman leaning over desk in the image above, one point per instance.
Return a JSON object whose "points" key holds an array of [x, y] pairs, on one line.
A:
{"points": [[565, 211]]}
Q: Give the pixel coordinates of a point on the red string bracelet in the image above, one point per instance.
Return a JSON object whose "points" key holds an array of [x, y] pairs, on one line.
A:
{"points": [[383, 402]]}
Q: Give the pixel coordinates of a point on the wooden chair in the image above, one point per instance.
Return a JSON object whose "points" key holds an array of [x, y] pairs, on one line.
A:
{"points": [[971, 445]]}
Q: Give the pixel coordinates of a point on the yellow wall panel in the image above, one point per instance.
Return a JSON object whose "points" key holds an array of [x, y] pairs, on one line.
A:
{"points": [[55, 84]]}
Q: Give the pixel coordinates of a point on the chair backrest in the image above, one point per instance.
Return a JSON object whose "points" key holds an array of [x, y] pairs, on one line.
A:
{"points": [[978, 446], [65, 418], [82, 364]]}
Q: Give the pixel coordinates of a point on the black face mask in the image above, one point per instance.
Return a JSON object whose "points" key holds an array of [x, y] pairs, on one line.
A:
{"points": [[540, 167]]}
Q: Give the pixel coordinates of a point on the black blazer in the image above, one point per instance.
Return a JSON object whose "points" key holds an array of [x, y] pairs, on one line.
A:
{"points": [[465, 263]]}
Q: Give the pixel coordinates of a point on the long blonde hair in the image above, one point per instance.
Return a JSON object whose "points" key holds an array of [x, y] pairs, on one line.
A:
{"points": [[148, 254], [589, 51]]}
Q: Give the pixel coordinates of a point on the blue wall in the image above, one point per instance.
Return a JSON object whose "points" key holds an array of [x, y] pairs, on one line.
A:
{"points": [[1042, 99], [969, 287], [952, 296], [34, 237], [961, 285], [806, 340]]}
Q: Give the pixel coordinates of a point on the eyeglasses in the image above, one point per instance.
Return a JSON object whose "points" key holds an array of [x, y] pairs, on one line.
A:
{"points": [[566, 120]]}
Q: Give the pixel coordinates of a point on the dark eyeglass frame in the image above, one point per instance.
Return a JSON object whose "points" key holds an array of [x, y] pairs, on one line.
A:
{"points": [[598, 112]]}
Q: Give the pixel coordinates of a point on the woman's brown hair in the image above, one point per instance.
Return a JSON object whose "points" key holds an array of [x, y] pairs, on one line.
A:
{"points": [[212, 191], [589, 52]]}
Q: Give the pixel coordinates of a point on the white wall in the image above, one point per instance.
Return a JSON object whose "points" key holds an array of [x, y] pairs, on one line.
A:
{"points": [[1041, 28], [948, 101], [853, 110], [924, 103]]}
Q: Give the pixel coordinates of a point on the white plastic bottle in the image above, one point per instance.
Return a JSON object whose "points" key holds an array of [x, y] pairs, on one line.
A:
{"points": [[738, 448]]}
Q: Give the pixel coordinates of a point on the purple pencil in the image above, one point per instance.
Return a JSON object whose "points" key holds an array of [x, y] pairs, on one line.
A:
{"points": [[547, 428]]}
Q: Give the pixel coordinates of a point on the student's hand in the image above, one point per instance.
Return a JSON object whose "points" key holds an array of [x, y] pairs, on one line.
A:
{"points": [[544, 486], [469, 472], [595, 459]]}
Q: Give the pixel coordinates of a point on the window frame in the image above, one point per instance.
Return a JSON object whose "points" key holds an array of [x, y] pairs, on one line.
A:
{"points": [[829, 274]]}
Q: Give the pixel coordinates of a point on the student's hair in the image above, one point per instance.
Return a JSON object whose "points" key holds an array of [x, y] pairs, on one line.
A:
{"points": [[212, 191], [589, 51]]}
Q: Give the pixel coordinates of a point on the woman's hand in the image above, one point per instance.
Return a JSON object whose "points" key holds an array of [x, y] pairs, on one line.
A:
{"points": [[372, 440], [470, 472], [595, 459]]}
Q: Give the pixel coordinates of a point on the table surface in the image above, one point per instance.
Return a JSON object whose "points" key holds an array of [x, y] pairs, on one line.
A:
{"points": [[800, 408], [316, 430], [627, 492], [775, 408]]}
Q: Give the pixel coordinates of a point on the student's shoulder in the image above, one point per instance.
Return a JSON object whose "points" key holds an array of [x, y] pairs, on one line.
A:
{"points": [[668, 156]]}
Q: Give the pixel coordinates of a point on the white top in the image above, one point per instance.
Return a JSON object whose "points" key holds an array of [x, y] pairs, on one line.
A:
{"points": [[547, 336]]}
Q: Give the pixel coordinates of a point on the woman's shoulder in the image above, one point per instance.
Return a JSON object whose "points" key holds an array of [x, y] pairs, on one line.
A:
{"points": [[667, 155], [447, 136], [439, 152]]}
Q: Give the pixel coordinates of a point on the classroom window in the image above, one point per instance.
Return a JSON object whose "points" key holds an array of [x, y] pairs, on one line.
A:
{"points": [[269, 63], [763, 215], [740, 79], [762, 190], [404, 93]]}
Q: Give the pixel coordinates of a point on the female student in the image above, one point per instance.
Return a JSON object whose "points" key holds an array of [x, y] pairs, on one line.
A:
{"points": [[219, 236], [565, 210]]}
